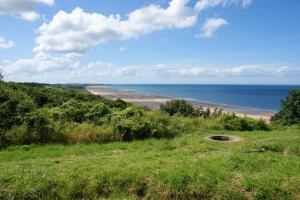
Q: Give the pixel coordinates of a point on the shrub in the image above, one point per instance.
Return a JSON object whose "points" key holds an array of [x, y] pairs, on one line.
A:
{"points": [[178, 106], [14, 109], [73, 111], [18, 135], [234, 123], [130, 129], [160, 125], [135, 125], [290, 109], [97, 112], [41, 123], [119, 103], [129, 112]]}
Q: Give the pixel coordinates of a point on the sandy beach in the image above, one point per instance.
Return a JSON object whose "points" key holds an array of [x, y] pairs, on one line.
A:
{"points": [[154, 102]]}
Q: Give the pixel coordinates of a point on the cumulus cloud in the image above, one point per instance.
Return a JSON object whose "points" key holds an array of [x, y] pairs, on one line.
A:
{"points": [[79, 31], [5, 44], [25, 9], [204, 4], [71, 34], [41, 63], [210, 27]]}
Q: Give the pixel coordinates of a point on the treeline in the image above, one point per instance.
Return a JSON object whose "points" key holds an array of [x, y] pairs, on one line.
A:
{"points": [[36, 113]]}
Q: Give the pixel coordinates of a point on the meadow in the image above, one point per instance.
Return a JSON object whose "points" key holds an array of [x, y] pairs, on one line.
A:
{"points": [[186, 167]]}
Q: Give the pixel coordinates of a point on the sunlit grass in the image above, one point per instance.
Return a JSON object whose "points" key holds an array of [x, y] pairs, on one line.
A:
{"points": [[188, 166]]}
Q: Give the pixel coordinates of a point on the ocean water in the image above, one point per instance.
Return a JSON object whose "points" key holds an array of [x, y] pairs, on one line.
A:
{"points": [[267, 97]]}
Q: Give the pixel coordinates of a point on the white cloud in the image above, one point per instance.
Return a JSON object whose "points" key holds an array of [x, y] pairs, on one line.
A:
{"points": [[41, 63], [204, 4], [79, 31], [5, 44], [101, 68], [75, 33], [123, 49], [45, 68], [210, 27], [25, 9], [240, 71], [30, 16]]}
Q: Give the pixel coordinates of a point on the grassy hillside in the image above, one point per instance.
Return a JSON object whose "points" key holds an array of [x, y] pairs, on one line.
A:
{"points": [[59, 142], [186, 167]]}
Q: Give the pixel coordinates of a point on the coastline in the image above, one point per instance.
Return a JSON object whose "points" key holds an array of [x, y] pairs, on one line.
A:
{"points": [[154, 102]]}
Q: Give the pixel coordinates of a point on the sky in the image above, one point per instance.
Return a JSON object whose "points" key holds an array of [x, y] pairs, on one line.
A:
{"points": [[150, 41]]}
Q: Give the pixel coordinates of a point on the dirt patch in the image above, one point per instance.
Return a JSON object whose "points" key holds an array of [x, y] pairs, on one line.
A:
{"points": [[223, 138]]}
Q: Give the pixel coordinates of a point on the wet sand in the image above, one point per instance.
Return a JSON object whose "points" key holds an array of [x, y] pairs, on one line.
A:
{"points": [[154, 102]]}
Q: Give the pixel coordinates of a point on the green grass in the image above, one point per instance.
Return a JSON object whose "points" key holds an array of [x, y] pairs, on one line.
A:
{"points": [[186, 167]]}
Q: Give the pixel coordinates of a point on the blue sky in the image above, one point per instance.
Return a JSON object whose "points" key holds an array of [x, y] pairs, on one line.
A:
{"points": [[148, 41]]}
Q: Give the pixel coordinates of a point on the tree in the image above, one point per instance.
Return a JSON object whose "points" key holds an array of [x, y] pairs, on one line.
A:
{"points": [[179, 106], [97, 112], [73, 111], [290, 109], [1, 75]]}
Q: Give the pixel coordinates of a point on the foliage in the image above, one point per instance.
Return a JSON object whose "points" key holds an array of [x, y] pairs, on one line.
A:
{"points": [[182, 107], [33, 113], [178, 106], [73, 111], [40, 123], [290, 109], [234, 123], [97, 112], [119, 103], [13, 108]]}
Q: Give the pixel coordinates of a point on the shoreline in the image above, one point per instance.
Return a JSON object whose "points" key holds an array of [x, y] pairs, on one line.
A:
{"points": [[154, 102]]}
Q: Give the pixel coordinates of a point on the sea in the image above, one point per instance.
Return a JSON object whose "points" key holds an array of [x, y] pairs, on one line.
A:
{"points": [[263, 97]]}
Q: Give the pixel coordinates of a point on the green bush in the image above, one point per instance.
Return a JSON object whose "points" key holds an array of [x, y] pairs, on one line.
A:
{"points": [[290, 109], [119, 103], [41, 123], [234, 123], [134, 124], [127, 113], [131, 129], [73, 111], [18, 135], [97, 112], [181, 107], [178, 106], [160, 125], [14, 109]]}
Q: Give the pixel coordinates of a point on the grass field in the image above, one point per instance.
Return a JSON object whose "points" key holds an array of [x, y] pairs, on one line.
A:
{"points": [[186, 167]]}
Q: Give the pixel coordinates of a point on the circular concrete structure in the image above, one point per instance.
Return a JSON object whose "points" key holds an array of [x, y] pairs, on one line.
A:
{"points": [[223, 138]]}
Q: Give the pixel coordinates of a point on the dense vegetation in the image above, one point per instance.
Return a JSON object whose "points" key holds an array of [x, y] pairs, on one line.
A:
{"points": [[33, 113], [290, 112]]}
